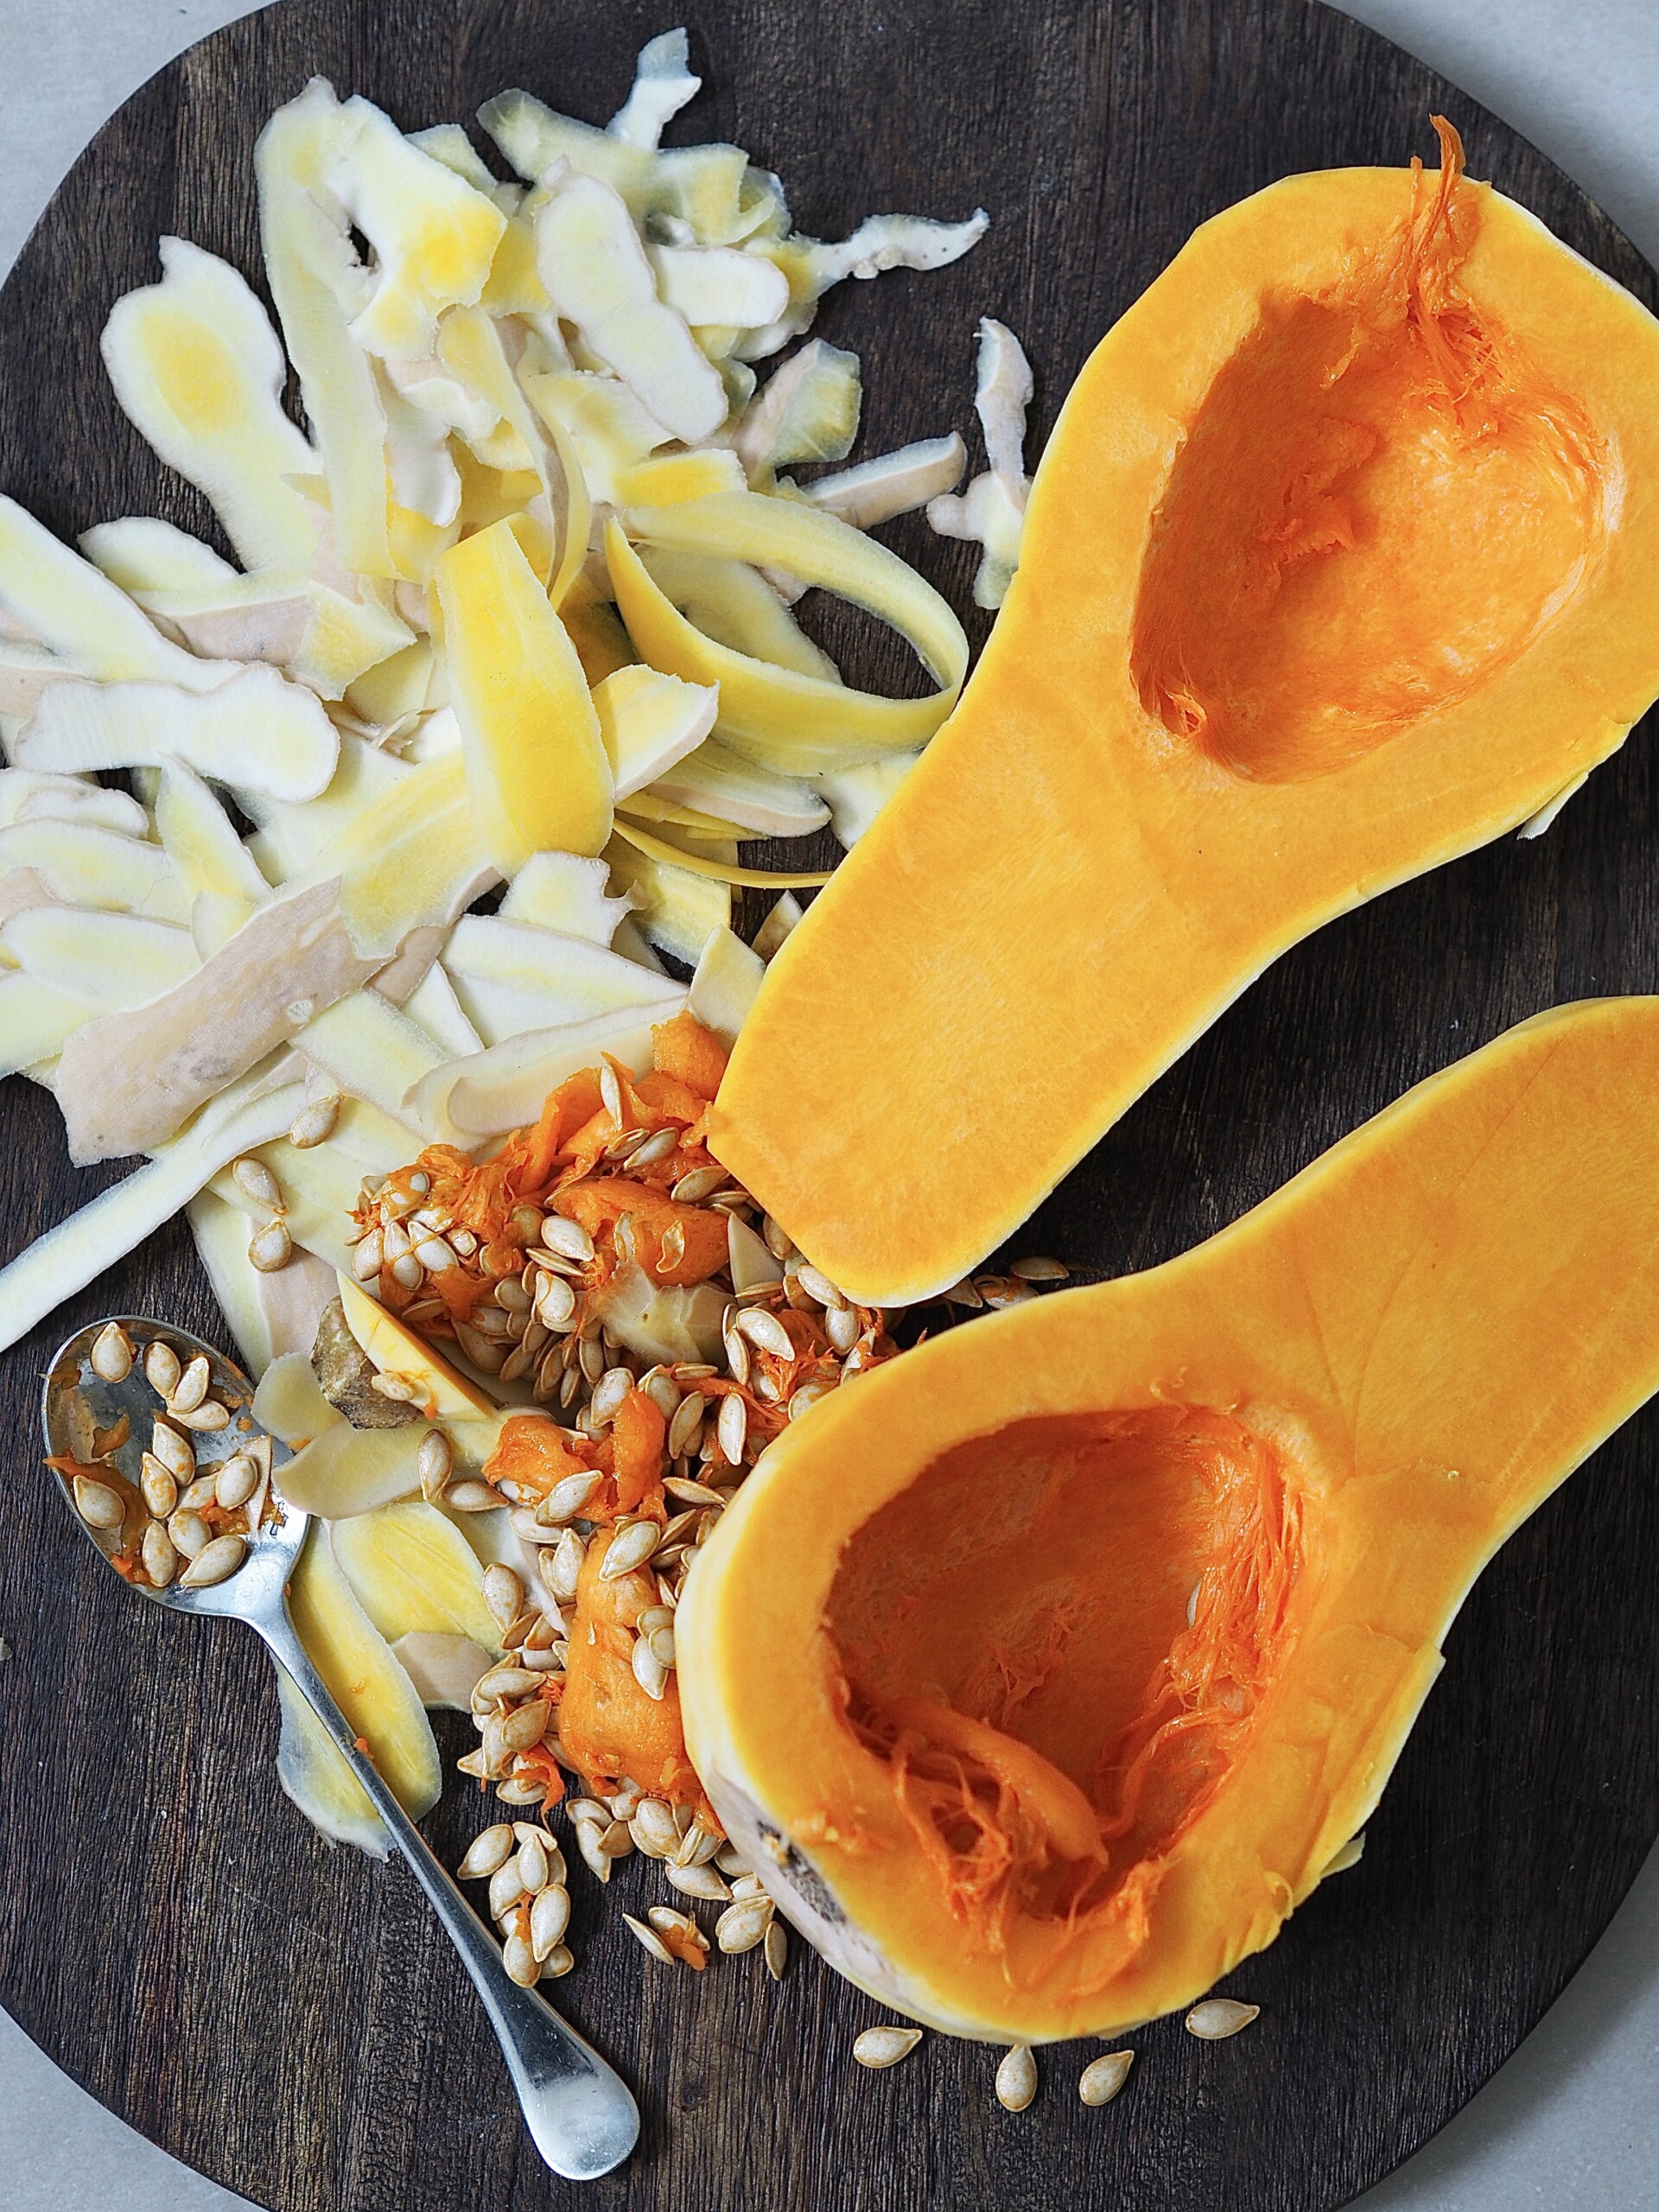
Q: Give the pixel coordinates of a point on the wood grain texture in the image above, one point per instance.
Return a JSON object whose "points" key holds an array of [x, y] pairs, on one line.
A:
{"points": [[284, 2017]]}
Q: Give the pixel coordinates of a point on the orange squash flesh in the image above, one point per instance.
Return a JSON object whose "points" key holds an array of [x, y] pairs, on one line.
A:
{"points": [[1178, 1549], [1341, 561]]}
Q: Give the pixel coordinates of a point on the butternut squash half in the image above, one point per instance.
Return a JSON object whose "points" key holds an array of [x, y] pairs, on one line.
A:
{"points": [[1043, 1673], [1342, 559]]}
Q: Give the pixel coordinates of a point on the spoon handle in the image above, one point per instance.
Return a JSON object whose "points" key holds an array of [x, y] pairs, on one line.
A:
{"points": [[578, 2110]]}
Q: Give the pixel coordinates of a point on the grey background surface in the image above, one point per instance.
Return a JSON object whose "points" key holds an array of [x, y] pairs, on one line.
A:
{"points": [[1573, 2121]]}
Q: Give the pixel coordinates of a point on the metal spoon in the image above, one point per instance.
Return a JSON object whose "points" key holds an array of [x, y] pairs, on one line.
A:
{"points": [[578, 2110]]}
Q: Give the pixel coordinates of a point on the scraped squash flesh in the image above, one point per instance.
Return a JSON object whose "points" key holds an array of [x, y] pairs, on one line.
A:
{"points": [[1340, 562], [1108, 1614]]}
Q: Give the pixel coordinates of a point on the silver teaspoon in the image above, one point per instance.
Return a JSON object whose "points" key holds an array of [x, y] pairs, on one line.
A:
{"points": [[578, 2110]]}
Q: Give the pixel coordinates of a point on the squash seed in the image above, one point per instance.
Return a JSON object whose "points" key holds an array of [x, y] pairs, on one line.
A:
{"points": [[236, 1481], [521, 1790], [655, 1149], [507, 1886], [559, 1960], [841, 1326], [566, 1565], [733, 1427], [688, 1419], [597, 1861], [648, 1671], [519, 1958], [568, 1238], [189, 1532], [208, 1417], [504, 1593], [818, 1286], [1350, 1854], [99, 1506], [434, 1463], [779, 1243], [524, 1728], [630, 1545], [112, 1354], [650, 1941], [1103, 2078], [255, 1180], [271, 1248], [160, 1556], [549, 1915], [697, 1882], [776, 1949], [690, 1493], [744, 1924], [159, 1485], [533, 1871], [215, 1563], [1040, 1270], [765, 1332], [487, 1853], [162, 1368], [366, 1255], [879, 2047], [1016, 2078], [472, 1496], [611, 1388], [1219, 2018], [653, 1828], [702, 1182], [314, 1124], [566, 1499]]}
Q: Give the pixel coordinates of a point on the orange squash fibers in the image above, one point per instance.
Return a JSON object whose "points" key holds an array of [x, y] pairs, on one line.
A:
{"points": [[1342, 559], [609, 1729], [1108, 1614], [551, 1168]]}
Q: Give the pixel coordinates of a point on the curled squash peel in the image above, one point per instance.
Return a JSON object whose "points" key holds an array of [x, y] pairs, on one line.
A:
{"points": [[1340, 562], [1112, 1612]]}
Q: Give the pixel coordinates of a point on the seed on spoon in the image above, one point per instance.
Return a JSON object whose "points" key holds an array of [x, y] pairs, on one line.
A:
{"points": [[175, 1452], [161, 1368], [189, 1532], [159, 1485], [99, 1506], [113, 1354], [192, 1386], [215, 1563], [208, 1418], [236, 1481], [160, 1555]]}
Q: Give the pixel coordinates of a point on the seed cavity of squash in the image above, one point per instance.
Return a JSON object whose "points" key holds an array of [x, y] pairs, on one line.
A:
{"points": [[1071, 1598]]}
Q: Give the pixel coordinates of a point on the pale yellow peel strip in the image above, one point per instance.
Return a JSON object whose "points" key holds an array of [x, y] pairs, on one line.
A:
{"points": [[536, 769], [799, 725], [756, 879]]}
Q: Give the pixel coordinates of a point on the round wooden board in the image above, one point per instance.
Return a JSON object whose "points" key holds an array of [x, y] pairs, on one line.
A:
{"points": [[285, 2018]]}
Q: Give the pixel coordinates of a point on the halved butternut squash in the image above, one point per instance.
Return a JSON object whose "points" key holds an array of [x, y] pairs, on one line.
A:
{"points": [[1044, 1673], [1340, 562]]}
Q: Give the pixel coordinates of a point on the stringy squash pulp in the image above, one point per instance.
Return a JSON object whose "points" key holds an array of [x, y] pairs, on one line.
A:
{"points": [[1107, 1617], [1342, 559]]}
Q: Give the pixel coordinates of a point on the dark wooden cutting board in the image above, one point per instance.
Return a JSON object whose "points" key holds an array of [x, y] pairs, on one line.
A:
{"points": [[284, 2017]]}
